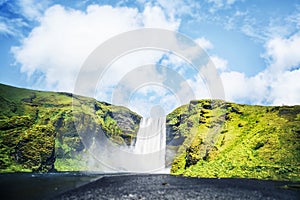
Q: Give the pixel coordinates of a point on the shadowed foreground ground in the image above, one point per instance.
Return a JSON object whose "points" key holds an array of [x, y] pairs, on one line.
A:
{"points": [[171, 187], [75, 185]]}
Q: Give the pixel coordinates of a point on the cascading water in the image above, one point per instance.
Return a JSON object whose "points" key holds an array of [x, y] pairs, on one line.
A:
{"points": [[146, 155], [151, 142]]}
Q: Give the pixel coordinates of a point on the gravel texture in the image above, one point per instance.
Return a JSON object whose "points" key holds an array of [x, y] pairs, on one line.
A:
{"points": [[144, 186]]}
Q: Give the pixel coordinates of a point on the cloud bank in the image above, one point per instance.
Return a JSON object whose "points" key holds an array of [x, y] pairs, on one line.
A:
{"points": [[65, 37]]}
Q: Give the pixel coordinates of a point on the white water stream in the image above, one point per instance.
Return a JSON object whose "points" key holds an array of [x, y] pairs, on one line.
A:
{"points": [[147, 155], [151, 141]]}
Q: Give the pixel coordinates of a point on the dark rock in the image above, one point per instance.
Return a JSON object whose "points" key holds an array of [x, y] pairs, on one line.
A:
{"points": [[29, 99], [190, 158], [207, 106], [235, 110], [258, 145]]}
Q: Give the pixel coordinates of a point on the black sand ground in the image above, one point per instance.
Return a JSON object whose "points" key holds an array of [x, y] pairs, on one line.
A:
{"points": [[171, 187], [139, 186]]}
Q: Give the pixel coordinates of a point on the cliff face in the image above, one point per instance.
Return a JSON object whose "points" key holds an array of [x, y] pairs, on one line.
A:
{"points": [[219, 139], [39, 130]]}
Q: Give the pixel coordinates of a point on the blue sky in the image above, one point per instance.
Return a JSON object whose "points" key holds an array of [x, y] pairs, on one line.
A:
{"points": [[254, 45]]}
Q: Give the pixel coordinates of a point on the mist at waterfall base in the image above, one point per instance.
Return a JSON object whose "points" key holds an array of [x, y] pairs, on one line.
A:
{"points": [[145, 155]]}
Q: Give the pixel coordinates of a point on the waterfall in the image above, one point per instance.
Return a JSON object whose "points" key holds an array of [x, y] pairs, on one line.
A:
{"points": [[146, 155], [151, 143]]}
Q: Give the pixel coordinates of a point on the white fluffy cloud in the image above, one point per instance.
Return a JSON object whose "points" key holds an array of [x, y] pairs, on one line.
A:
{"points": [[65, 37], [242, 89], [55, 50], [263, 88], [154, 17], [276, 85], [283, 71], [284, 53], [286, 90], [220, 63], [204, 43]]}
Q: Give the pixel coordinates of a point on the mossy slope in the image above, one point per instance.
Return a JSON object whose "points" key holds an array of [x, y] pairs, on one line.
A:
{"points": [[219, 139], [39, 130]]}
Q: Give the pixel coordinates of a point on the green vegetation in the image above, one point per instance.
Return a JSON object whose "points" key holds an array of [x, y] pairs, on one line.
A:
{"points": [[219, 139], [43, 131]]}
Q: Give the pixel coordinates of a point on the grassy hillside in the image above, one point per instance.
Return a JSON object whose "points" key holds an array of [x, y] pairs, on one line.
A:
{"points": [[39, 130], [219, 139]]}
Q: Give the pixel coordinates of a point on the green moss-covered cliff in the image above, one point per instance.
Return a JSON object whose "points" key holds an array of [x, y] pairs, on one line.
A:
{"points": [[39, 130], [219, 139]]}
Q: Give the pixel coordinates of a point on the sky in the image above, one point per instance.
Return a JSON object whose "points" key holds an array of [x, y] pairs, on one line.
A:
{"points": [[253, 44]]}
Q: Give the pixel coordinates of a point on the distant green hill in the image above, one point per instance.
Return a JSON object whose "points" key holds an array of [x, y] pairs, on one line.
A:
{"points": [[220, 139], [38, 130]]}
